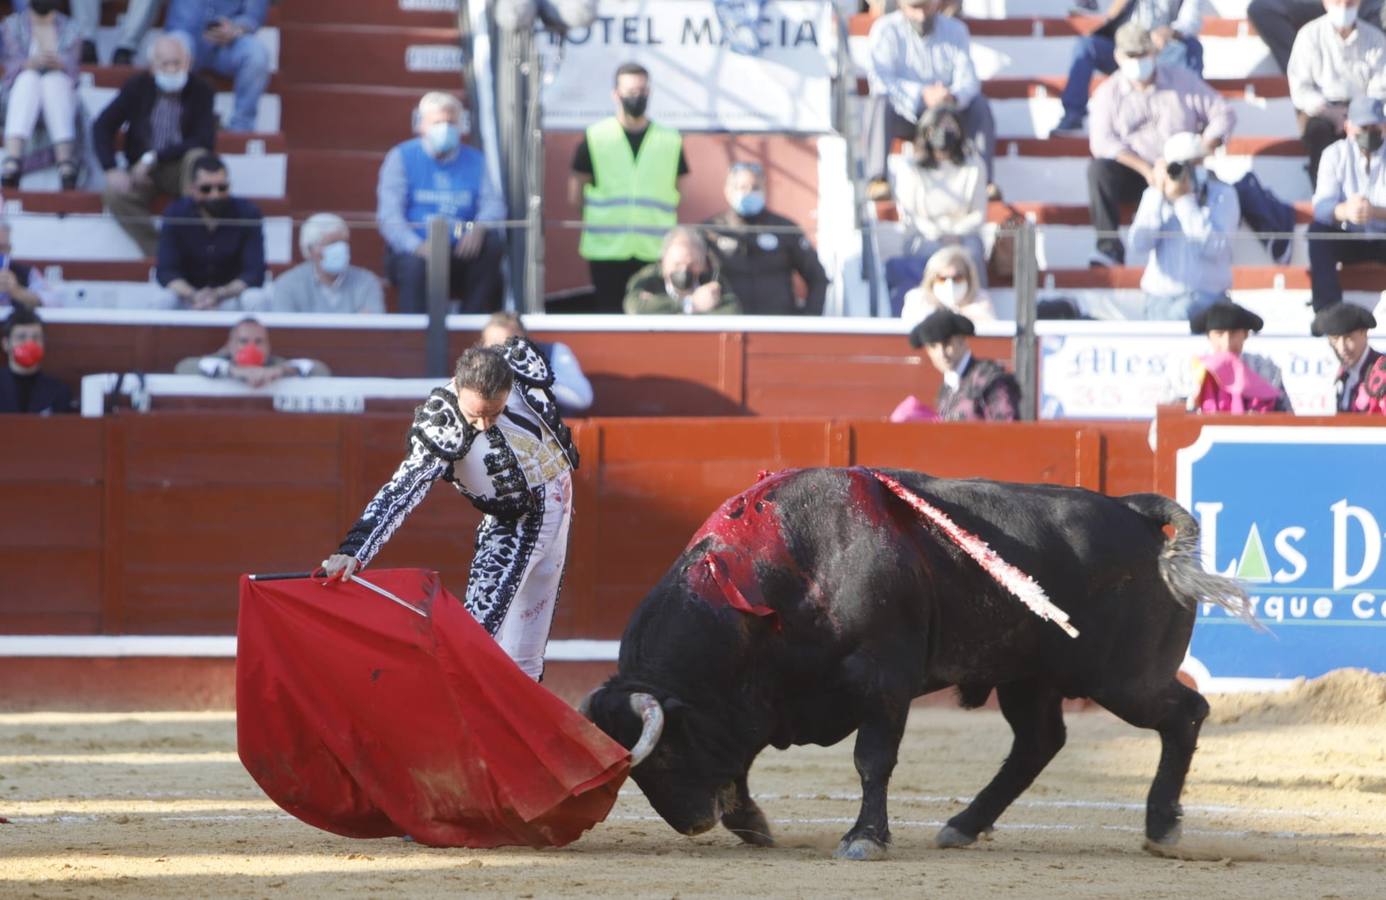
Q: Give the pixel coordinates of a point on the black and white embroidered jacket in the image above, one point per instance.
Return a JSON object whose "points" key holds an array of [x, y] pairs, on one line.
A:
{"points": [[496, 469]]}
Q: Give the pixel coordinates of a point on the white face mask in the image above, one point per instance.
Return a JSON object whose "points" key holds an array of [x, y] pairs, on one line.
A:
{"points": [[949, 291], [336, 256], [1341, 16], [171, 82], [1138, 69]]}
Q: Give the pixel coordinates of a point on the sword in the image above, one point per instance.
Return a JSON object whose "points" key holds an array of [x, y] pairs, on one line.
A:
{"points": [[287, 576]]}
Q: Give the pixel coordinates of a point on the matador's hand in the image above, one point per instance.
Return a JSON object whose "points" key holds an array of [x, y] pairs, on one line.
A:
{"points": [[340, 566]]}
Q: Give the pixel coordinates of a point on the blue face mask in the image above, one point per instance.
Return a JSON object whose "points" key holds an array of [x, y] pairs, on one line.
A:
{"points": [[752, 204], [336, 256], [442, 138]]}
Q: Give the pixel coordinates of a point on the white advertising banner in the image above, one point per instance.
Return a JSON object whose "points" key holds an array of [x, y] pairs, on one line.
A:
{"points": [[700, 78], [1126, 376]]}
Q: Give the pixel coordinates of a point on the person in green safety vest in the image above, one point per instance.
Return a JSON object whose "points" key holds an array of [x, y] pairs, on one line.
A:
{"points": [[625, 180]]}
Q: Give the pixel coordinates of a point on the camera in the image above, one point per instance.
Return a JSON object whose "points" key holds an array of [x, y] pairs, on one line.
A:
{"points": [[1175, 169]]}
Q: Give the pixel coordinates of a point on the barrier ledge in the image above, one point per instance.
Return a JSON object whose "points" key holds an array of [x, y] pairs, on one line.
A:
{"points": [[66, 646], [1140, 328]]}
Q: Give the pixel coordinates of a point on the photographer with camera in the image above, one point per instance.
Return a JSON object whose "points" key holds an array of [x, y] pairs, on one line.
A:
{"points": [[1182, 228], [682, 282]]}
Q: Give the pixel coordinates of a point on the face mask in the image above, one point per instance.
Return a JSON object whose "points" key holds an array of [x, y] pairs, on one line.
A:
{"points": [[219, 208], [250, 355], [948, 291], [336, 256], [43, 7], [1138, 69], [751, 204], [925, 27], [171, 82], [635, 105], [442, 138], [27, 354], [685, 280], [1341, 16], [945, 140], [1370, 140]]}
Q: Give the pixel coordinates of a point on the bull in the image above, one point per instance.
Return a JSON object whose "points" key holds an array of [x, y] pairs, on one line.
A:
{"points": [[822, 601]]}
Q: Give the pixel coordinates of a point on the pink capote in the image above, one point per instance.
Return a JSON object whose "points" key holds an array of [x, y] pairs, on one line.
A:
{"points": [[1228, 385], [911, 409]]}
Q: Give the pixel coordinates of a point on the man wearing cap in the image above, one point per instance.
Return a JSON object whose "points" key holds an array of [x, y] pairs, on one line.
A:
{"points": [[1227, 380], [1334, 57], [1350, 197], [972, 388], [1133, 114], [1181, 228], [1361, 381]]}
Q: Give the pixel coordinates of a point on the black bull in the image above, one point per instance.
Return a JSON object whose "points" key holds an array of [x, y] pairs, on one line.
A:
{"points": [[820, 602]]}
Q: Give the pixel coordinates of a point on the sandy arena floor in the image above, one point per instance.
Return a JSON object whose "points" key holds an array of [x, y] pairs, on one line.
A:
{"points": [[1287, 798]]}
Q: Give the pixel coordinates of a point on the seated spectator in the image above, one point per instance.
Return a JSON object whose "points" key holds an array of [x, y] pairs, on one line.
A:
{"points": [[1360, 384], [683, 281], [1350, 198], [211, 245], [87, 16], [247, 357], [759, 266], [167, 119], [1182, 231], [326, 281], [40, 50], [950, 282], [1133, 114], [942, 199], [920, 61], [570, 388], [20, 284], [1335, 57], [23, 387], [1279, 21], [1227, 380], [1173, 27], [139, 16], [221, 35], [435, 174], [972, 388]]}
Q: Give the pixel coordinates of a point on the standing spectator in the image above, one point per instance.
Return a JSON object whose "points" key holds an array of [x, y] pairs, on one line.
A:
{"points": [[326, 281], [23, 388], [1350, 197], [1132, 117], [972, 388], [759, 266], [1335, 57], [626, 177], [570, 387], [167, 119], [1228, 380], [683, 281], [1278, 21], [1361, 380], [247, 357], [436, 174], [20, 284], [950, 282], [212, 246], [920, 61], [139, 16], [1182, 228], [1173, 27], [221, 34], [40, 49]]}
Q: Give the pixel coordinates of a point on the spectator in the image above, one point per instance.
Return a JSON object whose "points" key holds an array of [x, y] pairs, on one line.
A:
{"points": [[1182, 230], [20, 284], [212, 246], [139, 15], [683, 281], [221, 35], [40, 48], [942, 200], [1173, 27], [1335, 57], [920, 61], [570, 388], [1132, 117], [326, 281], [436, 174], [1350, 198], [759, 266], [626, 177], [949, 282], [1278, 21], [247, 357], [972, 388], [1361, 381], [87, 16], [1227, 380], [23, 387], [166, 116]]}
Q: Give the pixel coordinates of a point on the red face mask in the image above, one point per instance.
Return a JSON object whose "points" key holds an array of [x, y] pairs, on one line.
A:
{"points": [[249, 355], [27, 354]]}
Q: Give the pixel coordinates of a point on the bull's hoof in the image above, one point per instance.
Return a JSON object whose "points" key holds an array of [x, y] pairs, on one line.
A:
{"points": [[949, 837], [750, 825], [1165, 841], [861, 849]]}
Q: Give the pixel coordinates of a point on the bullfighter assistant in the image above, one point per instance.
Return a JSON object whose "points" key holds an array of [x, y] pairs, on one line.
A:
{"points": [[495, 432]]}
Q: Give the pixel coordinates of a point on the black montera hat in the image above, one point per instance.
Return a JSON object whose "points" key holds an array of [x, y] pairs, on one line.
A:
{"points": [[1225, 316], [939, 327], [1342, 318]]}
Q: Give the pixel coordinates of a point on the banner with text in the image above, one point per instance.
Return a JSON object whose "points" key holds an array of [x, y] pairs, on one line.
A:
{"points": [[1296, 515], [702, 77]]}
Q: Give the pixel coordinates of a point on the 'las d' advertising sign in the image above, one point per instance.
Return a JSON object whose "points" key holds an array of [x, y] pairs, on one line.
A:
{"points": [[1297, 515]]}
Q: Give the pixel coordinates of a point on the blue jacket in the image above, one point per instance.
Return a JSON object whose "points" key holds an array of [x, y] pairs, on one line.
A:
{"points": [[204, 258]]}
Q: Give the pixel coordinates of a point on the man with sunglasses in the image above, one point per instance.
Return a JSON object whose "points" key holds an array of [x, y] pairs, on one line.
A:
{"points": [[212, 245]]}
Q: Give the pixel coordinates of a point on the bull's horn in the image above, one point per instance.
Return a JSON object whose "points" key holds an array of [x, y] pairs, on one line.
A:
{"points": [[652, 715]]}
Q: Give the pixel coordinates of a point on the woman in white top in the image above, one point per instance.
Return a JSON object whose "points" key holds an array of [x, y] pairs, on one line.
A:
{"points": [[950, 282], [40, 50]]}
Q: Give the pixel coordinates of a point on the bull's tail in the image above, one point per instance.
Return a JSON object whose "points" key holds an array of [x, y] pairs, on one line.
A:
{"points": [[1181, 563]]}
